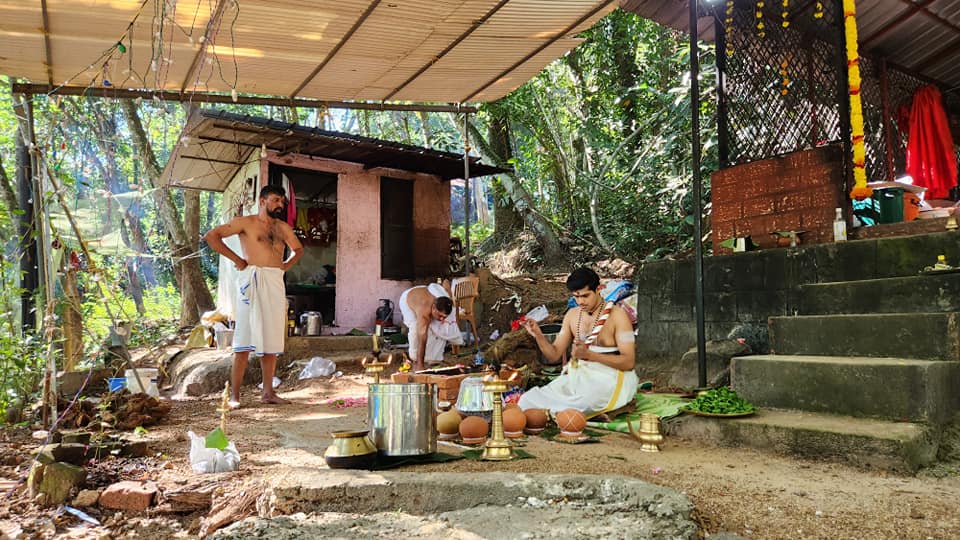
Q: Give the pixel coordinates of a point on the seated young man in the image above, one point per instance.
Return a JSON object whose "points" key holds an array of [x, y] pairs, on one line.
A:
{"points": [[599, 377]]}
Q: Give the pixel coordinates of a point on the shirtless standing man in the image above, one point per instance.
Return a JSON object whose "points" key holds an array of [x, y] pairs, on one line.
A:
{"points": [[261, 308]]}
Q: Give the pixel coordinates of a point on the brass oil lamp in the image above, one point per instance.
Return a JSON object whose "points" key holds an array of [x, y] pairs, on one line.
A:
{"points": [[372, 365], [497, 447]]}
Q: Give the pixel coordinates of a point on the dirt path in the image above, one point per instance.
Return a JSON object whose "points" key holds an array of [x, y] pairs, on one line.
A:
{"points": [[737, 490], [752, 494]]}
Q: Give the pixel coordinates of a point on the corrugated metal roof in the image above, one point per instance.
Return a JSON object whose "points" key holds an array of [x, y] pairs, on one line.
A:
{"points": [[417, 50], [920, 36], [215, 144]]}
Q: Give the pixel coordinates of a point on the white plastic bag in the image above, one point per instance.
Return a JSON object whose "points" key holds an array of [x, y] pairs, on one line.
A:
{"points": [[317, 367], [538, 313], [276, 383], [210, 460]]}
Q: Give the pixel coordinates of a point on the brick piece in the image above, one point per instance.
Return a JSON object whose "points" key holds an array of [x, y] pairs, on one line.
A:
{"points": [[127, 495]]}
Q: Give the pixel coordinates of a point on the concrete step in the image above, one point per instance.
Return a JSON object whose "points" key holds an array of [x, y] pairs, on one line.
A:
{"points": [[897, 446], [892, 388], [926, 336], [928, 293]]}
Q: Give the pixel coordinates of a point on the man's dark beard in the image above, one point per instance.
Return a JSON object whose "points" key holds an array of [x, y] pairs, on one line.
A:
{"points": [[276, 213]]}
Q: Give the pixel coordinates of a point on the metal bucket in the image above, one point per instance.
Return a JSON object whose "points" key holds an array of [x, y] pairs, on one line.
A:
{"points": [[311, 323], [402, 418]]}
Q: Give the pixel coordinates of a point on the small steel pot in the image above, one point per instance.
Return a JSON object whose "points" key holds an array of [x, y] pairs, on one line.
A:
{"points": [[350, 450]]}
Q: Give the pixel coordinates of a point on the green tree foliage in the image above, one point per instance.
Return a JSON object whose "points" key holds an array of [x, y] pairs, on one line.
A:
{"points": [[601, 137]]}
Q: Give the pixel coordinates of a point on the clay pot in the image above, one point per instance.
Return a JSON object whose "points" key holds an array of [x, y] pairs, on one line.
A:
{"points": [[536, 420], [513, 422], [571, 422], [473, 430], [448, 425]]}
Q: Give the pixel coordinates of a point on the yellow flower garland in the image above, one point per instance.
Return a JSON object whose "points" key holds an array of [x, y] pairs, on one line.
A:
{"points": [[860, 190], [728, 20]]}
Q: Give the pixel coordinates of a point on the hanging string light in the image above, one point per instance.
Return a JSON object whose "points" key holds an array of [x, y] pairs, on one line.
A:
{"points": [[860, 190], [761, 33], [785, 14], [728, 22]]}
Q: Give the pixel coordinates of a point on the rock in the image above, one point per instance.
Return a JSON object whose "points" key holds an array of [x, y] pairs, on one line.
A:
{"points": [[130, 496], [34, 479], [204, 371], [59, 479], [87, 498], [75, 437], [66, 453], [70, 382], [719, 353], [134, 448]]}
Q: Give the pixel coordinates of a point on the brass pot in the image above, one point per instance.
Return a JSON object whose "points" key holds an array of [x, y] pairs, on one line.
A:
{"points": [[350, 450]]}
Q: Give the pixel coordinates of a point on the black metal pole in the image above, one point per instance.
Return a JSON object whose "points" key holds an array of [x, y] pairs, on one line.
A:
{"points": [[466, 191], [697, 195], [27, 240]]}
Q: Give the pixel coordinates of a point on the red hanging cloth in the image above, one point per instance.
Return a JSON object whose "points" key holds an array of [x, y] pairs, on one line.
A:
{"points": [[931, 160]]}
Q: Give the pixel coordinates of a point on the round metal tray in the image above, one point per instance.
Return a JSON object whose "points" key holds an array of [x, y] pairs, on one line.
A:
{"points": [[721, 415]]}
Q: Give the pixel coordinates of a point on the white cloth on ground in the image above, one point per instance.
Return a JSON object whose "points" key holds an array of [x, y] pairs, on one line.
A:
{"points": [[260, 311], [587, 388], [439, 333]]}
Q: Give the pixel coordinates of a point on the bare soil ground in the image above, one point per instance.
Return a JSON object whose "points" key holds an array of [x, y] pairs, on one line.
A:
{"points": [[753, 494]]}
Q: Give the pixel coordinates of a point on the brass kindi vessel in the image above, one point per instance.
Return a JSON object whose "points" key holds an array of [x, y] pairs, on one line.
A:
{"points": [[497, 447], [649, 434], [350, 449]]}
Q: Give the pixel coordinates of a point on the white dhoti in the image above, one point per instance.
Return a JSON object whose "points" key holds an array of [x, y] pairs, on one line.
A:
{"points": [[261, 311], [590, 387], [439, 333]]}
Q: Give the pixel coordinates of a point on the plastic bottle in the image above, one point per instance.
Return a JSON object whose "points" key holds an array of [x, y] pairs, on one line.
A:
{"points": [[839, 227]]}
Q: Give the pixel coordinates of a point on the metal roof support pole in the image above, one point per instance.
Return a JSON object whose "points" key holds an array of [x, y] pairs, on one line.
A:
{"points": [[697, 195], [466, 191], [27, 249]]}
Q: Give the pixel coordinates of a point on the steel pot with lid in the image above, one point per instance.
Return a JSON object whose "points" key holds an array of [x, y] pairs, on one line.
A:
{"points": [[311, 322], [402, 418]]}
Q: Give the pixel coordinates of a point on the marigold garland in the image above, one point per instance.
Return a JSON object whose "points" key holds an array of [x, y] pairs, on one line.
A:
{"points": [[759, 13], [818, 11], [860, 190], [785, 14], [728, 21]]}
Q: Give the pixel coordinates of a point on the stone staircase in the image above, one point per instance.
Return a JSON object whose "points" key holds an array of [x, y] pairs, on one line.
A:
{"points": [[868, 371]]}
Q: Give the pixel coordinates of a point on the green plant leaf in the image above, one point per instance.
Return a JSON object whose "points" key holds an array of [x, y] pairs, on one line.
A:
{"points": [[217, 439]]}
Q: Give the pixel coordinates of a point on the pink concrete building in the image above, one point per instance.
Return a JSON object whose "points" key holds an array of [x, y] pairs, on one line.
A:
{"points": [[374, 215]]}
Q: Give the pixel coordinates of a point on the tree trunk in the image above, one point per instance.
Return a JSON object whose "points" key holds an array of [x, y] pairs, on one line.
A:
{"points": [[425, 128], [9, 194], [506, 220], [523, 203], [186, 266]]}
